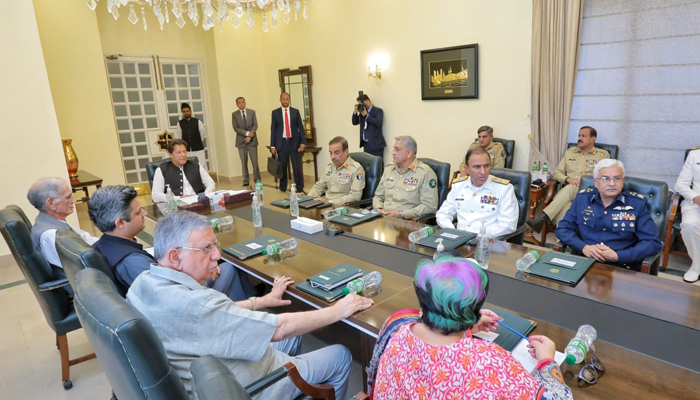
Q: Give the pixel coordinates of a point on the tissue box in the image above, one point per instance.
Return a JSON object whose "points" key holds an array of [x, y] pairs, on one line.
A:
{"points": [[307, 225]]}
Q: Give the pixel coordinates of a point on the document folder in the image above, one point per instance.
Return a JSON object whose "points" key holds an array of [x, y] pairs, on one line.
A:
{"points": [[507, 339], [354, 217], [562, 267], [334, 277], [329, 296], [451, 238], [284, 203], [252, 247]]}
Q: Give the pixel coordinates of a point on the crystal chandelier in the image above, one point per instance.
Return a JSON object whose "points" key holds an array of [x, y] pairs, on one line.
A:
{"points": [[236, 11]]}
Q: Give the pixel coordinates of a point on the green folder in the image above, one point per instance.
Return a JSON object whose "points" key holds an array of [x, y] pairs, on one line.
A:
{"points": [[354, 217], [252, 247], [334, 277], [451, 238], [329, 296], [562, 267], [284, 203], [507, 339]]}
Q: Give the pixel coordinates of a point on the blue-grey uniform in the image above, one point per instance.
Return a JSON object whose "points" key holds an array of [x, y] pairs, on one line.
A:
{"points": [[625, 226]]}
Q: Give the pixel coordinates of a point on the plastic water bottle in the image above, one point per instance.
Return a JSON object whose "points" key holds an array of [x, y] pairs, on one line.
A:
{"points": [[535, 171], [259, 191], [415, 236], [257, 216], [171, 204], [526, 261], [334, 213], [276, 248], [363, 283], [278, 258], [440, 249], [294, 202], [222, 224], [545, 173], [578, 346], [482, 251]]}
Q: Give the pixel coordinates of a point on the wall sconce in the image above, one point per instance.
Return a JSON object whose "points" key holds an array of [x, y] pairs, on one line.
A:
{"points": [[374, 72]]}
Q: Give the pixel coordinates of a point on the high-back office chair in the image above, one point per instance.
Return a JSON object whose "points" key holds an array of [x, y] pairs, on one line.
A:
{"points": [[508, 146], [48, 290], [374, 168], [130, 352], [76, 255], [442, 171], [521, 184], [656, 193], [153, 166], [673, 227]]}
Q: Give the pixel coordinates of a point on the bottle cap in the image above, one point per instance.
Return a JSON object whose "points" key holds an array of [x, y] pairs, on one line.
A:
{"points": [[264, 252], [535, 253], [346, 292], [570, 359]]}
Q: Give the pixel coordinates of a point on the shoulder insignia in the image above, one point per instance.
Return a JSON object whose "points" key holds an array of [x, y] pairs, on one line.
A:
{"points": [[432, 183], [460, 179], [500, 180], [587, 190], [359, 176], [637, 195]]}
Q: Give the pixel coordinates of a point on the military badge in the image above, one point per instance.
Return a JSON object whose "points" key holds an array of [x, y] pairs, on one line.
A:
{"points": [[359, 177], [432, 183]]}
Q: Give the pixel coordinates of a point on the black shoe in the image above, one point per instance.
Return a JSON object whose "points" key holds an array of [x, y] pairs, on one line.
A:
{"points": [[245, 184], [537, 224]]}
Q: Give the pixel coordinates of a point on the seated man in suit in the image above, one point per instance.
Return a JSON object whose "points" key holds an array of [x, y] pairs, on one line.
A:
{"points": [[577, 162], [479, 199], [494, 149], [609, 225], [193, 321], [408, 188], [687, 187], [288, 139], [53, 198], [118, 214], [344, 179], [185, 177]]}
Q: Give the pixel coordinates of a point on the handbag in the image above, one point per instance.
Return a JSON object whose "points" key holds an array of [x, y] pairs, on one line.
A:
{"points": [[274, 167]]}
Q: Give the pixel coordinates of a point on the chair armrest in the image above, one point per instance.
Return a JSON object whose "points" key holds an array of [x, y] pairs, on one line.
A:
{"points": [[53, 285], [551, 190], [672, 217], [650, 264], [518, 231], [322, 391], [359, 396]]}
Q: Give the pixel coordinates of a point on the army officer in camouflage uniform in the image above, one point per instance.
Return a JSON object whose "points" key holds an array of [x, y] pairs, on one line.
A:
{"points": [[408, 188], [577, 161], [609, 225], [344, 178]]}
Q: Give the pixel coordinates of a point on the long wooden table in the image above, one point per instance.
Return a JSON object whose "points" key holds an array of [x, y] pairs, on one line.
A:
{"points": [[639, 336]]}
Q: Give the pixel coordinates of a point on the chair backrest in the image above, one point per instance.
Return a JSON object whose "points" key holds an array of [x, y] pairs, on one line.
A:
{"points": [[151, 167], [656, 193], [613, 149], [130, 352], [76, 255], [212, 380], [509, 147], [55, 304], [442, 170], [374, 168], [521, 184]]}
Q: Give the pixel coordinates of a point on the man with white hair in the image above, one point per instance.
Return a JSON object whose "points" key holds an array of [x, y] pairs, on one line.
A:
{"points": [[608, 224]]}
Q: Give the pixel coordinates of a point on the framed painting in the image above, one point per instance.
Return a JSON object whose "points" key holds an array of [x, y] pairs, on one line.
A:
{"points": [[450, 73]]}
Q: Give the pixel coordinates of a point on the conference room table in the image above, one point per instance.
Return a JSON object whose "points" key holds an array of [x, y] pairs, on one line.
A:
{"points": [[648, 327]]}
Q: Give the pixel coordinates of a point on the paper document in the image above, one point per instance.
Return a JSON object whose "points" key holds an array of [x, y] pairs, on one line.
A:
{"points": [[521, 354]]}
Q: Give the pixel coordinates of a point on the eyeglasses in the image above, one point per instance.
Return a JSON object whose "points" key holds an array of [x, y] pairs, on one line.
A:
{"points": [[606, 179], [590, 372], [206, 249]]}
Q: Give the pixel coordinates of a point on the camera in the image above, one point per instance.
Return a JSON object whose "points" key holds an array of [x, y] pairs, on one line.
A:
{"points": [[361, 98]]}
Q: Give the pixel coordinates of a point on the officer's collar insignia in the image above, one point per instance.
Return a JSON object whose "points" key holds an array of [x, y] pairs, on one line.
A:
{"points": [[346, 165], [413, 166]]}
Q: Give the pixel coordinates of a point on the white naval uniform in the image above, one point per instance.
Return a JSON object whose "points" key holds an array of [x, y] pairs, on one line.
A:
{"points": [[494, 203], [688, 186]]}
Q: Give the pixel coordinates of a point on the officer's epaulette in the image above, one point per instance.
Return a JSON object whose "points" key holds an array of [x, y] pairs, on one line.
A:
{"points": [[635, 194], [587, 190], [460, 179], [500, 180]]}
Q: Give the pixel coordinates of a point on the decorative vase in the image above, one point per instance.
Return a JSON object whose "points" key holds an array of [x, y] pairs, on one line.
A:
{"points": [[71, 158]]}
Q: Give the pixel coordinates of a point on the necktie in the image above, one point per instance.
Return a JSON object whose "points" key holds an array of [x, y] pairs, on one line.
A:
{"points": [[287, 131], [245, 120]]}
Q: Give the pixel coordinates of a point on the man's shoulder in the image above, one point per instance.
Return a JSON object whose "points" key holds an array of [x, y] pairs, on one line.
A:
{"points": [[353, 164], [500, 181], [603, 153], [634, 196], [587, 190], [474, 145], [459, 180]]}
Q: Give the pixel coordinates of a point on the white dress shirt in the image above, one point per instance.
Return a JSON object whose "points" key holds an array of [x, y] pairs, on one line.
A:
{"points": [[48, 243], [202, 130], [158, 191]]}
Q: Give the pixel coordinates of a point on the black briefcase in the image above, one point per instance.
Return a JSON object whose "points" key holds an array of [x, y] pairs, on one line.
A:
{"points": [[274, 167]]}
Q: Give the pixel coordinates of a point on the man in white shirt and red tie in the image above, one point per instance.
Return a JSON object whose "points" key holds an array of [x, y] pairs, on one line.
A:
{"points": [[288, 139]]}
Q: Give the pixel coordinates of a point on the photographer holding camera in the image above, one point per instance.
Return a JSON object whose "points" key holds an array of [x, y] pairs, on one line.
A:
{"points": [[370, 119]]}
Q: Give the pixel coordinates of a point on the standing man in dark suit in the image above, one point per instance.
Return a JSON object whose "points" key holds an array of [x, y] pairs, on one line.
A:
{"points": [[288, 138], [370, 120], [245, 123]]}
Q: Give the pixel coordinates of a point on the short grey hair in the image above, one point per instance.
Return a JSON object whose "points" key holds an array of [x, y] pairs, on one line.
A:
{"points": [[174, 231], [109, 204], [409, 142], [44, 189], [607, 163]]}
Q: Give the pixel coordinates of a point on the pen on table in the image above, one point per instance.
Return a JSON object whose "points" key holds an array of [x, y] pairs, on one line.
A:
{"points": [[500, 321]]}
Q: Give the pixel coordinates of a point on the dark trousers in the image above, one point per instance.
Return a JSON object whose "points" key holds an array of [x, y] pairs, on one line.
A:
{"points": [[379, 152], [289, 153]]}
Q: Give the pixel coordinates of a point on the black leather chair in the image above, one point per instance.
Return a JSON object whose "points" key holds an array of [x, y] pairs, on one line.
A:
{"points": [[613, 149], [76, 255], [521, 183], [130, 351], [153, 166], [442, 171], [673, 227], [373, 174], [656, 193], [508, 146], [55, 302]]}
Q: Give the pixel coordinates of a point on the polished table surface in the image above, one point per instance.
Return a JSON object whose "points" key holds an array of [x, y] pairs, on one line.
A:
{"points": [[605, 291]]}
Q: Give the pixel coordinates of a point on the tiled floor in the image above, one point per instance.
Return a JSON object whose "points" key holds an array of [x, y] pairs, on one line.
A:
{"points": [[30, 366]]}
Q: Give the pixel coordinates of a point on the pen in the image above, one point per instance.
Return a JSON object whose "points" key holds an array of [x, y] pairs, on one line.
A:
{"points": [[500, 321]]}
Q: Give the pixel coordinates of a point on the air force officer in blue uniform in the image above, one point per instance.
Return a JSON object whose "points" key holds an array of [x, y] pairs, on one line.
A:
{"points": [[608, 224], [288, 138]]}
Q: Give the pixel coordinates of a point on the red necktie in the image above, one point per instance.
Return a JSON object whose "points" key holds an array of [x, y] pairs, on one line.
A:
{"points": [[287, 131]]}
